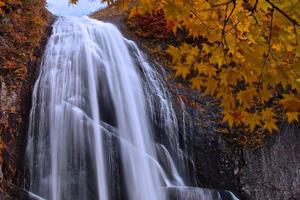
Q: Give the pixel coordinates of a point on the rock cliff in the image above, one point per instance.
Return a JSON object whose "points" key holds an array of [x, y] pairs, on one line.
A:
{"points": [[22, 40]]}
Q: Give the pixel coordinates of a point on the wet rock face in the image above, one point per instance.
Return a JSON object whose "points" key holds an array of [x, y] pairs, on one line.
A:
{"points": [[269, 173], [217, 163], [273, 172]]}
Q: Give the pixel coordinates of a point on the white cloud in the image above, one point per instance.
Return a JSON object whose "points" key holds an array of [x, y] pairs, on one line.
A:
{"points": [[84, 7]]}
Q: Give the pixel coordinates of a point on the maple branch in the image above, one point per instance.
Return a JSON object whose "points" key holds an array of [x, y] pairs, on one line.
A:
{"points": [[295, 30], [225, 23], [223, 4], [224, 37], [269, 48], [255, 5], [200, 19], [283, 13], [235, 39], [226, 20], [223, 30], [270, 37]]}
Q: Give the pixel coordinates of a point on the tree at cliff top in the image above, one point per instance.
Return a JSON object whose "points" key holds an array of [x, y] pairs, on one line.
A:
{"points": [[245, 53]]}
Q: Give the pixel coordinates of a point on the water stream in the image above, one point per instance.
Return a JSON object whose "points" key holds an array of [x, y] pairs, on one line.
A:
{"points": [[91, 133]]}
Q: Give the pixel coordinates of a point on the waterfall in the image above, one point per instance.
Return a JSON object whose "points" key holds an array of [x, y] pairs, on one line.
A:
{"points": [[88, 72], [91, 132]]}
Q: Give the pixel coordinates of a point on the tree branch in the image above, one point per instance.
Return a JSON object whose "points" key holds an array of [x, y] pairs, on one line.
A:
{"points": [[283, 13], [269, 47], [223, 4]]}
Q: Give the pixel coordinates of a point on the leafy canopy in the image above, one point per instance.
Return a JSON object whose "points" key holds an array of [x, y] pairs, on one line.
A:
{"points": [[245, 53]]}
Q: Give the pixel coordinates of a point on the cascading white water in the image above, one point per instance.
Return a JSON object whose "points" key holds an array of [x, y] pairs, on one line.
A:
{"points": [[85, 63], [91, 131]]}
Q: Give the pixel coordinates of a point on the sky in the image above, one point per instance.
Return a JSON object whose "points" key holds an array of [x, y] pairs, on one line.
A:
{"points": [[63, 8]]}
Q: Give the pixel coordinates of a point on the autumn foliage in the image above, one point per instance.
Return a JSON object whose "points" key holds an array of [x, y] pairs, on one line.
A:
{"points": [[149, 25], [22, 27], [245, 53]]}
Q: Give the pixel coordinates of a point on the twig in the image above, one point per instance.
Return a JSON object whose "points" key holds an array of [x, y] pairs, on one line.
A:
{"points": [[255, 6], [269, 48], [223, 4], [283, 13]]}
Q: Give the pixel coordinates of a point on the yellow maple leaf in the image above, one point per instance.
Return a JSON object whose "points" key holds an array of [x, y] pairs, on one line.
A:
{"points": [[292, 116], [217, 58], [270, 125], [290, 48], [194, 51], [277, 46], [228, 101], [230, 76], [265, 93], [269, 120], [268, 113], [205, 48], [290, 102], [204, 69], [197, 82], [248, 73], [182, 70], [185, 48], [235, 116], [189, 60], [211, 86], [175, 53], [252, 120], [228, 118], [246, 96]]}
